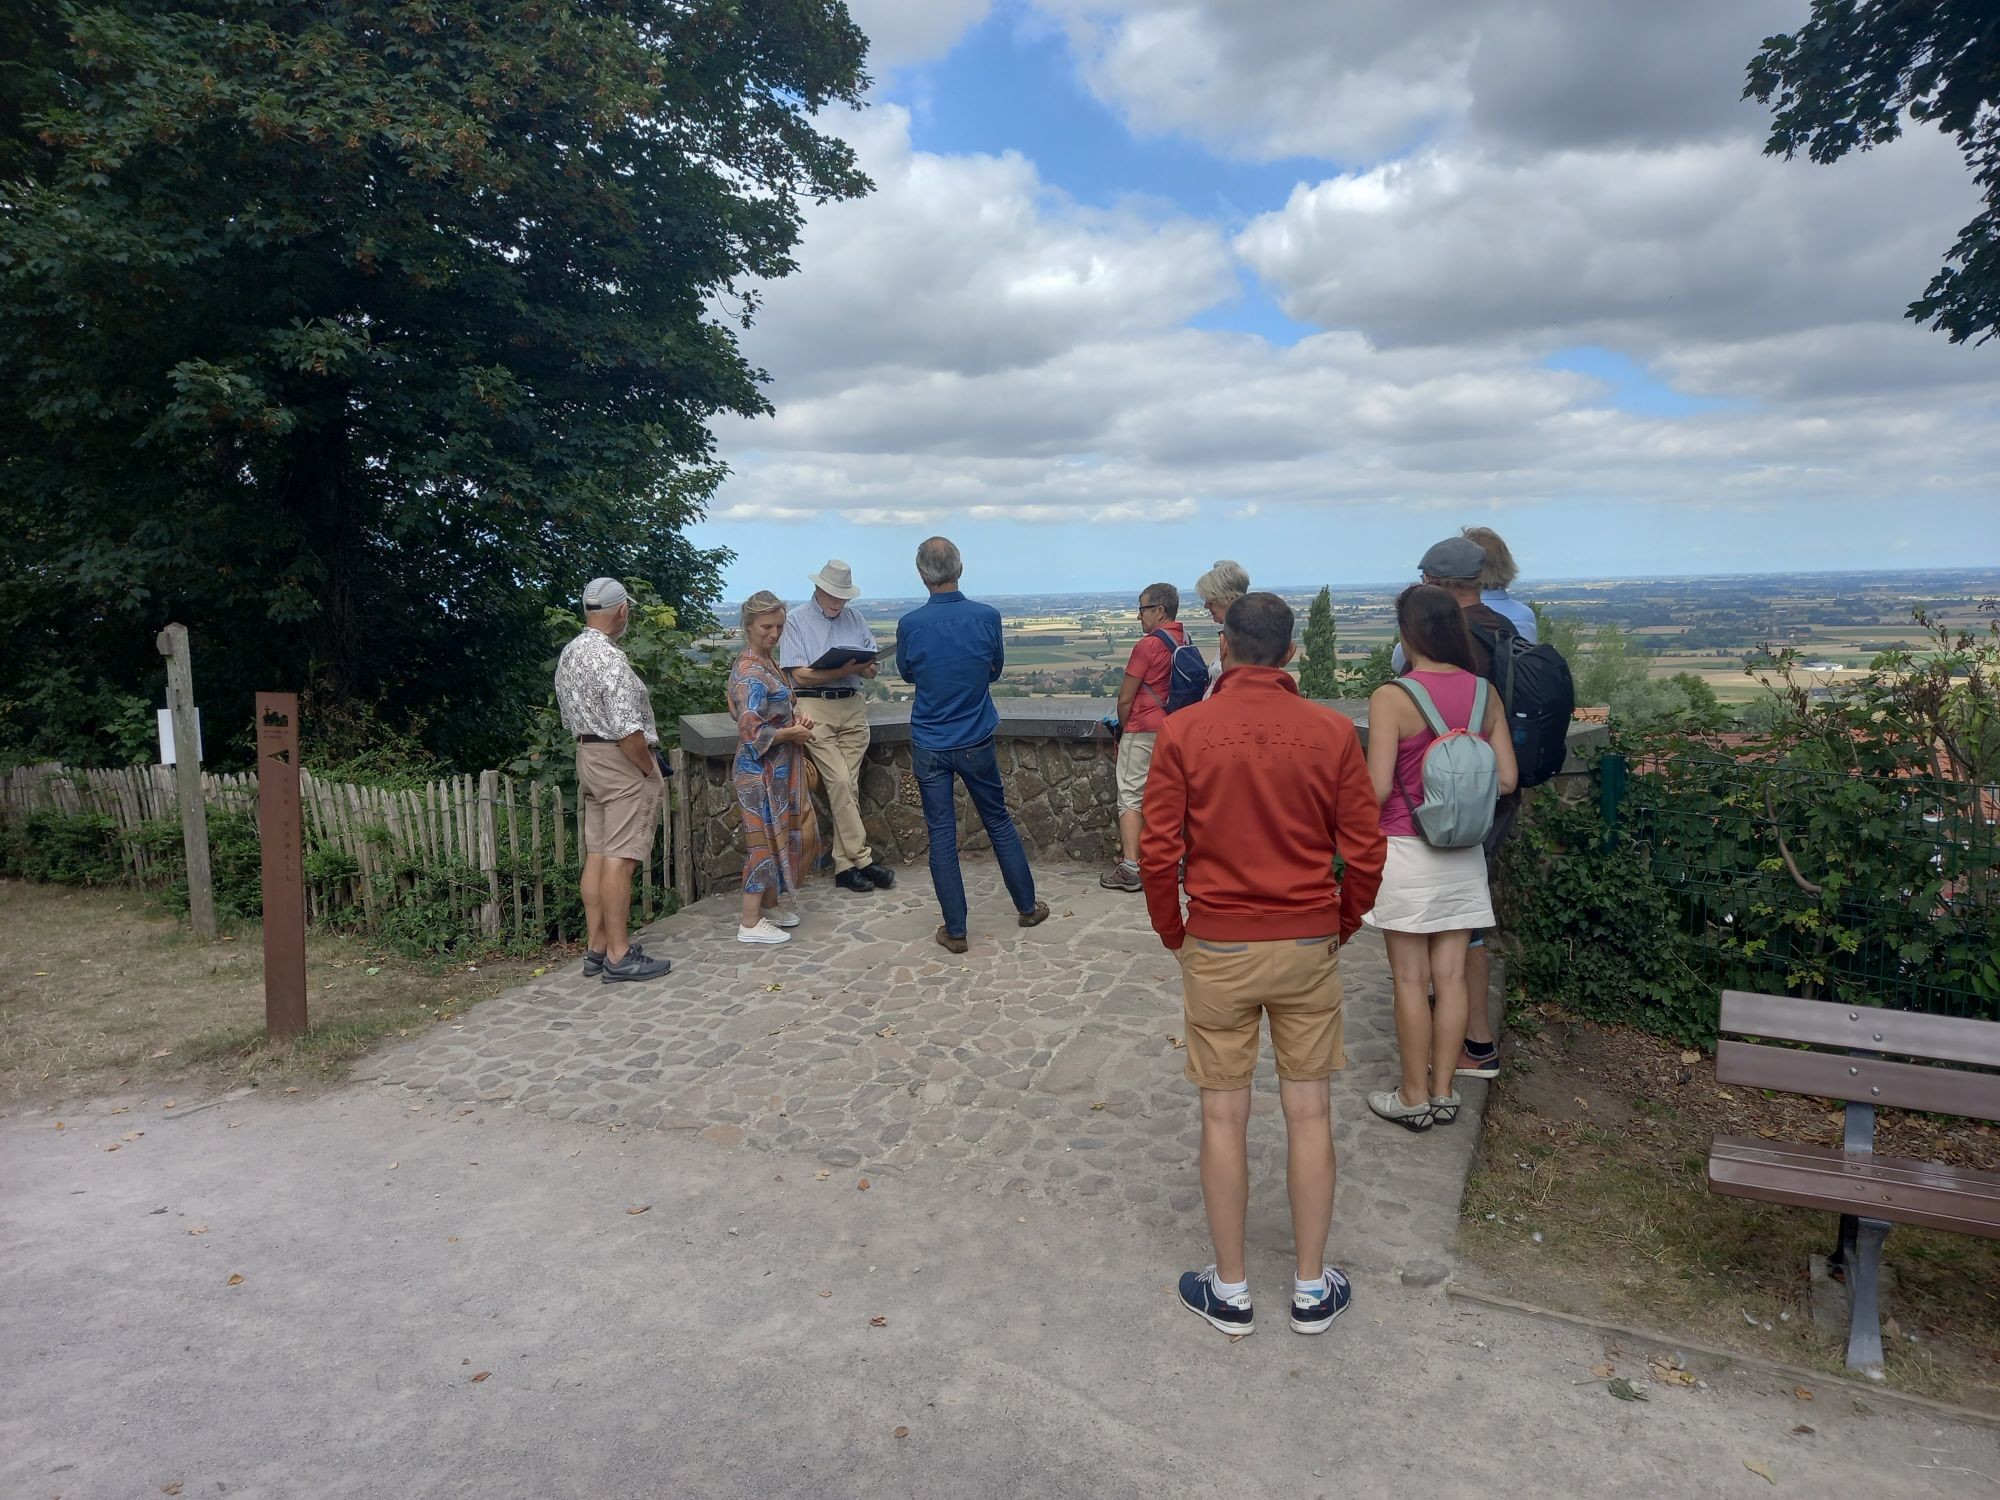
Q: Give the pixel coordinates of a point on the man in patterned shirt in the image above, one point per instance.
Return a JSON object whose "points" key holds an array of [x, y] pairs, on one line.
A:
{"points": [[606, 707]]}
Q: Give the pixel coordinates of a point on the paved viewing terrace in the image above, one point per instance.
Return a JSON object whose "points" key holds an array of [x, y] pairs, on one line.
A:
{"points": [[1043, 1062]]}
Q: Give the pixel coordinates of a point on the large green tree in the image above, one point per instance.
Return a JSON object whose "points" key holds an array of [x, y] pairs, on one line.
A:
{"points": [[1319, 672], [1844, 81], [357, 334]]}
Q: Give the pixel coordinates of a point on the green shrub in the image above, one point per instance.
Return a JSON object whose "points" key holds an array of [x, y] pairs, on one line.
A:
{"points": [[1590, 927], [58, 848]]}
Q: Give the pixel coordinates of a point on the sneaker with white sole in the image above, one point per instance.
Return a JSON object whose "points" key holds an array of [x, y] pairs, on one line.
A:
{"points": [[1388, 1103], [1472, 1065], [1315, 1313], [1233, 1315], [763, 932], [782, 917]]}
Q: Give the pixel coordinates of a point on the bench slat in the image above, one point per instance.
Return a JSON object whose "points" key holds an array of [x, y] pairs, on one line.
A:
{"points": [[1864, 1080], [1904, 1192], [1787, 1018]]}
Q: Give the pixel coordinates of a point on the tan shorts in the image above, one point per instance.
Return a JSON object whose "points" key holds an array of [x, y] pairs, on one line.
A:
{"points": [[1135, 759], [621, 805], [1227, 986]]}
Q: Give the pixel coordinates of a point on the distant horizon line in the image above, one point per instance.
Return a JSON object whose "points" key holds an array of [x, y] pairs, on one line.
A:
{"points": [[1396, 583]]}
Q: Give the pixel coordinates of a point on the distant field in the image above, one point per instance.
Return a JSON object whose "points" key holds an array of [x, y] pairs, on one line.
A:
{"points": [[1706, 626]]}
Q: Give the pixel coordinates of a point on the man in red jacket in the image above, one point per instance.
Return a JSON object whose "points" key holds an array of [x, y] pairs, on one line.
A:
{"points": [[1258, 790]]}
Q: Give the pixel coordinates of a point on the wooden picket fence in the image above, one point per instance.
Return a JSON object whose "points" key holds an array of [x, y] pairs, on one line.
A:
{"points": [[387, 834]]}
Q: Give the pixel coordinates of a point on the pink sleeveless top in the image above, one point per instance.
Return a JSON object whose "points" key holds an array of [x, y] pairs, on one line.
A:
{"points": [[1452, 692]]}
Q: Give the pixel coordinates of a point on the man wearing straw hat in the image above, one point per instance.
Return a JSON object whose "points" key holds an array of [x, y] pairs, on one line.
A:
{"points": [[608, 711], [831, 623]]}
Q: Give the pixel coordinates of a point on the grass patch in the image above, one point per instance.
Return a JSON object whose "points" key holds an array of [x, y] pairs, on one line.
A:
{"points": [[1601, 1150], [101, 988]]}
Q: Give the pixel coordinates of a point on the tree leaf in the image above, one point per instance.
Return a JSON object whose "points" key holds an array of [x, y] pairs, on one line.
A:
{"points": [[234, 1281], [1624, 1390], [640, 1209], [481, 1375], [1761, 1469]]}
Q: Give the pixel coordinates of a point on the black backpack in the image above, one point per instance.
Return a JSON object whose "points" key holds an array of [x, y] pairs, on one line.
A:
{"points": [[1535, 685]]}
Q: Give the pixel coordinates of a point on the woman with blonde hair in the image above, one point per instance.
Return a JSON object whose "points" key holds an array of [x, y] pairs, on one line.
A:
{"points": [[1220, 587], [769, 776]]}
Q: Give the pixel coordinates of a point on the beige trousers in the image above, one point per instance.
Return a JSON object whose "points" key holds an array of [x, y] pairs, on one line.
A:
{"points": [[838, 744]]}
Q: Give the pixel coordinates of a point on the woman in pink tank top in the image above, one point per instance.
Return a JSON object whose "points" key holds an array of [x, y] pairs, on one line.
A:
{"points": [[1432, 900]]}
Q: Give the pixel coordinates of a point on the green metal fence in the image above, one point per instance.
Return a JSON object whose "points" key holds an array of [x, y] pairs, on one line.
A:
{"points": [[1863, 889]]}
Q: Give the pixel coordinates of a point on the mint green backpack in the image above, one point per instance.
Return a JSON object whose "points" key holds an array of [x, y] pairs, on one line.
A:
{"points": [[1461, 775]]}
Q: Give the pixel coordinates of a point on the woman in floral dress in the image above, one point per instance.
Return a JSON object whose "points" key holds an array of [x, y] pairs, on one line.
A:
{"points": [[770, 780]]}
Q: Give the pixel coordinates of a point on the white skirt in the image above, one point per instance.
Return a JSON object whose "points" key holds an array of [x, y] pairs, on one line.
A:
{"points": [[1431, 890]]}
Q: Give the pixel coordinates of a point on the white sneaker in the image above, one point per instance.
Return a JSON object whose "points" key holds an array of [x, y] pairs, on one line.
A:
{"points": [[763, 932], [783, 917]]}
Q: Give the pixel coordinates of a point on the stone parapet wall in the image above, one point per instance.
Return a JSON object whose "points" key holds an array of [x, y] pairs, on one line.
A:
{"points": [[1055, 762]]}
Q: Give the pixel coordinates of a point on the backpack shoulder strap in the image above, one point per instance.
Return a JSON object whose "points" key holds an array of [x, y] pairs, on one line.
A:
{"points": [[1426, 705], [1476, 724]]}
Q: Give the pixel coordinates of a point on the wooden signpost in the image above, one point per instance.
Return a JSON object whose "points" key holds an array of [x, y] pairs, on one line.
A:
{"points": [[173, 644], [278, 832]]}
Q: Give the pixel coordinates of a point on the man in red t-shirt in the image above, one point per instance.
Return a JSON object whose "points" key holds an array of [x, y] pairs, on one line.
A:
{"points": [[1142, 709], [1258, 790]]}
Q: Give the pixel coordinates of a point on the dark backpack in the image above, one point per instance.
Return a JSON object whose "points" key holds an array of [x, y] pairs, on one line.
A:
{"points": [[1534, 684], [1187, 680]]}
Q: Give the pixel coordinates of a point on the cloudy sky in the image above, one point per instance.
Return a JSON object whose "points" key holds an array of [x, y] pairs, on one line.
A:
{"points": [[1311, 283]]}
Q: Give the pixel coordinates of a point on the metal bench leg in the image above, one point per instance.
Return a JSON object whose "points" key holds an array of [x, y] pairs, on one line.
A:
{"points": [[1843, 1247], [1864, 1329]]}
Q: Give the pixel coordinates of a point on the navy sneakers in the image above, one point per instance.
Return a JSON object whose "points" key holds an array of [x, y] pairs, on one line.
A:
{"points": [[1230, 1314], [1312, 1314]]}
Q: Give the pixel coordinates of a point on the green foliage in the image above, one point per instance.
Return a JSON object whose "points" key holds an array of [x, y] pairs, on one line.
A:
{"points": [[1682, 702], [1844, 81], [56, 848], [1319, 673], [681, 677], [1376, 670], [1591, 927], [355, 337]]}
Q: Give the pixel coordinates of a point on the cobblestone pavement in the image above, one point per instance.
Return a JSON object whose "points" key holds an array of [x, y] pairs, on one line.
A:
{"points": [[1041, 1062]]}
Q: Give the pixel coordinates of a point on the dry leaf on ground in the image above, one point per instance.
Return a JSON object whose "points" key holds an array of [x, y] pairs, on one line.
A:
{"points": [[1624, 1390], [1761, 1469], [1802, 1393], [164, 1052], [234, 1281], [902, 1432], [1602, 1372], [639, 1209], [1177, 1044], [822, 1174], [826, 1294], [886, 1031], [171, 1489], [878, 1322], [199, 1229], [1099, 1104], [861, 1186], [1690, 1057], [481, 1375]]}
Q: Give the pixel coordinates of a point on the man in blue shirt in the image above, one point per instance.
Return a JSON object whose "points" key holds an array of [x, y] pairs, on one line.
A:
{"points": [[950, 650]]}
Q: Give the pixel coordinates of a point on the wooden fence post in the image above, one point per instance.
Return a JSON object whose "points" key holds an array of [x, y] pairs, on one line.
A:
{"points": [[173, 645], [489, 852]]}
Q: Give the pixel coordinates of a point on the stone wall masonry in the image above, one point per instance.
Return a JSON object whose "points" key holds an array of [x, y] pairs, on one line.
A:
{"points": [[1055, 762]]}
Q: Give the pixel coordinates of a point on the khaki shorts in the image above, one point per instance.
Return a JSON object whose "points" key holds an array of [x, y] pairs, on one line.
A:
{"points": [[1227, 986], [621, 805], [1135, 759]]}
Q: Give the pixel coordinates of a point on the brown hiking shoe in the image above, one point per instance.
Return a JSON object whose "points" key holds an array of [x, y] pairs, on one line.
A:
{"points": [[1121, 877], [1036, 917], [949, 940]]}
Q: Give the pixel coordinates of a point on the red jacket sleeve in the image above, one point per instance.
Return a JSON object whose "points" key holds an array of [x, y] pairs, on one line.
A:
{"points": [[1164, 841], [1357, 834]]}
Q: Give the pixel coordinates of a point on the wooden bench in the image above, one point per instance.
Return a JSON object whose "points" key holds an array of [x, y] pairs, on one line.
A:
{"points": [[1856, 1054]]}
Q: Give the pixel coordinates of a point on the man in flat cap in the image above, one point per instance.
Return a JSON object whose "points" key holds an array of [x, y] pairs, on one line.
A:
{"points": [[830, 624], [607, 709]]}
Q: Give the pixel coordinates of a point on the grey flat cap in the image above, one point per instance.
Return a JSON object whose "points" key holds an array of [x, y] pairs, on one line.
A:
{"points": [[609, 593], [1454, 557]]}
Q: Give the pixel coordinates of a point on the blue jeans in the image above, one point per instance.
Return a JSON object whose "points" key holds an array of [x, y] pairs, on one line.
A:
{"points": [[976, 767]]}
